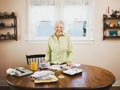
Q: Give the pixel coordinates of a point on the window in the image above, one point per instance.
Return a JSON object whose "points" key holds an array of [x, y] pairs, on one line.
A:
{"points": [[76, 14]]}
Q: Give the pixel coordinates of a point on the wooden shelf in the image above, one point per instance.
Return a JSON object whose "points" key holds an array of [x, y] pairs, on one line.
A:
{"points": [[6, 39], [111, 29], [111, 18], [7, 17], [7, 27], [12, 33], [111, 37]]}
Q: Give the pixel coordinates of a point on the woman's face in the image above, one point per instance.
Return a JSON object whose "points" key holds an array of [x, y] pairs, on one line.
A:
{"points": [[59, 29]]}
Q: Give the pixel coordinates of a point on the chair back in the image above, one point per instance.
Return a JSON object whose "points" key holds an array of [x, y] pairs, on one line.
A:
{"points": [[39, 58]]}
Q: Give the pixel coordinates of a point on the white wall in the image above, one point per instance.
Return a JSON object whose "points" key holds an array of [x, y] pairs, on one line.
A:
{"points": [[103, 53]]}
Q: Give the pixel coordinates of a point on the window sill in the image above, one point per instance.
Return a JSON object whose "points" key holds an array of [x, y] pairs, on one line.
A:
{"points": [[90, 41]]}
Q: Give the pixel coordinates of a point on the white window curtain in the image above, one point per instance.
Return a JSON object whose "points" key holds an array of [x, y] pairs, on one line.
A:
{"points": [[76, 14], [42, 2]]}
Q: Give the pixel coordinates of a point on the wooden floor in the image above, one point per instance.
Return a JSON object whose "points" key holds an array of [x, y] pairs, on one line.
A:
{"points": [[7, 88], [115, 88]]}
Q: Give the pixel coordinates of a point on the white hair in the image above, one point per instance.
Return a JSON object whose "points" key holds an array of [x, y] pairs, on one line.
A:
{"points": [[59, 22]]}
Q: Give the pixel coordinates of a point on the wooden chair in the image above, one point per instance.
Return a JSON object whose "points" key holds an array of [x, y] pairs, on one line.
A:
{"points": [[36, 57]]}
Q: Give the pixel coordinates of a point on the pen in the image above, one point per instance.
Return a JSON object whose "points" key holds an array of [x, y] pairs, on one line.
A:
{"points": [[20, 70]]}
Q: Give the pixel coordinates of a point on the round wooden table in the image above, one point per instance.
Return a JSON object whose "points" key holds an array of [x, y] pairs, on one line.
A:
{"points": [[92, 78]]}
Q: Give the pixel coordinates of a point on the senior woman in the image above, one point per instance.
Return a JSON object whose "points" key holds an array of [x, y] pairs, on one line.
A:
{"points": [[59, 46]]}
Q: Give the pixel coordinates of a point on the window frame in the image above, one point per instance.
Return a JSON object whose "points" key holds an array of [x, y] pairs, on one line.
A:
{"points": [[74, 39]]}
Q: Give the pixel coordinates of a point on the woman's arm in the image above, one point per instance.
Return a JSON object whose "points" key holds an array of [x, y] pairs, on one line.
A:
{"points": [[69, 52], [48, 52]]}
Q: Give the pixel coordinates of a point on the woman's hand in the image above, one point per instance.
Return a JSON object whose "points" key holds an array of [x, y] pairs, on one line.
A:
{"points": [[45, 61], [69, 64]]}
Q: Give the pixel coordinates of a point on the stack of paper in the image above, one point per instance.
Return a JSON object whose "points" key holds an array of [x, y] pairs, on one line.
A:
{"points": [[59, 67], [44, 76], [73, 71], [19, 71], [63, 66]]}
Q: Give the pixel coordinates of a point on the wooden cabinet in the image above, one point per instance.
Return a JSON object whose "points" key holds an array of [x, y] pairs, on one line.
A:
{"points": [[111, 27], [8, 27]]}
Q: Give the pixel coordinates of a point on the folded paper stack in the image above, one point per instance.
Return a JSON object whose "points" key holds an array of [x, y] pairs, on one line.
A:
{"points": [[73, 71], [45, 76]]}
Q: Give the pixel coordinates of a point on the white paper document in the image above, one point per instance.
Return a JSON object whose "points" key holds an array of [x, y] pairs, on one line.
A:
{"points": [[73, 71]]}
